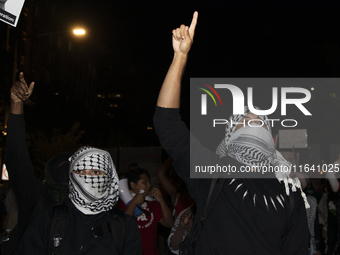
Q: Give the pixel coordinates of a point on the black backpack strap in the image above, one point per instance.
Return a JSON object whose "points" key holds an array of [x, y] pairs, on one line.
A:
{"points": [[291, 200], [214, 192], [212, 197], [118, 228], [59, 225]]}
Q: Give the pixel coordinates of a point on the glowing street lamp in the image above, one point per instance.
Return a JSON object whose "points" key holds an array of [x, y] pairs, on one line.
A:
{"points": [[79, 31], [76, 32]]}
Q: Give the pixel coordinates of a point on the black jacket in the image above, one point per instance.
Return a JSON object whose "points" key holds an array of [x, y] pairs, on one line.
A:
{"points": [[247, 217], [79, 238], [31, 194]]}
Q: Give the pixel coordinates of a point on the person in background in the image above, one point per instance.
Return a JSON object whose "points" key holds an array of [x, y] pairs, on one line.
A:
{"points": [[91, 222], [176, 194], [174, 187], [333, 204], [312, 216], [11, 210], [33, 196], [154, 212], [181, 228]]}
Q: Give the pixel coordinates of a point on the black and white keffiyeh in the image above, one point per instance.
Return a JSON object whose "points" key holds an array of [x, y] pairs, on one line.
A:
{"points": [[93, 194], [254, 146]]}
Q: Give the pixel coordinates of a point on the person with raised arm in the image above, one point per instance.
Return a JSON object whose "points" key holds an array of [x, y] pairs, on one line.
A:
{"points": [[174, 187], [87, 222], [33, 196], [250, 216]]}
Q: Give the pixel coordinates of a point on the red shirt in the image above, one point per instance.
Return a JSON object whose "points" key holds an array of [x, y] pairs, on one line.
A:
{"points": [[184, 201], [147, 225]]}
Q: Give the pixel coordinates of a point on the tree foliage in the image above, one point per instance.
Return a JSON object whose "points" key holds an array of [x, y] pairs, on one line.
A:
{"points": [[43, 147]]}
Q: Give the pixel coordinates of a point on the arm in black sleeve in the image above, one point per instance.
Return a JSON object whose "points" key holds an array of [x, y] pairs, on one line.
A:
{"points": [[133, 241], [176, 139], [26, 186], [174, 136], [35, 239]]}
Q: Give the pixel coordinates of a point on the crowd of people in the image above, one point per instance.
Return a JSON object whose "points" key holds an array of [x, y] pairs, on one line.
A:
{"points": [[75, 208]]}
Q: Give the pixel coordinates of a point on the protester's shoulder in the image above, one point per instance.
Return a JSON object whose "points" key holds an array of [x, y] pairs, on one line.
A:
{"points": [[45, 214], [129, 221], [128, 218], [42, 221], [121, 214]]}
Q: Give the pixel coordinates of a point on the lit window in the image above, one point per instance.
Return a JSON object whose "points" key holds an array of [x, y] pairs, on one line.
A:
{"points": [[332, 95], [115, 95]]}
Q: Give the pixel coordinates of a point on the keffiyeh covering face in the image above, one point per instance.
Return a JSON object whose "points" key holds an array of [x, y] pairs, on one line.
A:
{"points": [[254, 146], [93, 194]]}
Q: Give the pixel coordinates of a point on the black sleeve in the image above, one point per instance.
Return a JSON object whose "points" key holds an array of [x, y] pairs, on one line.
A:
{"points": [[133, 241], [296, 241], [35, 239], [176, 139], [27, 188]]}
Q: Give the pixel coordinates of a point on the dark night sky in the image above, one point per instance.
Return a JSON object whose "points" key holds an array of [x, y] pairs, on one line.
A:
{"points": [[233, 39], [248, 39]]}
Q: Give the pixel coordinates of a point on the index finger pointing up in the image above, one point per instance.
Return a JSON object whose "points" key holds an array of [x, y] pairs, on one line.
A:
{"points": [[23, 82], [21, 77], [193, 24]]}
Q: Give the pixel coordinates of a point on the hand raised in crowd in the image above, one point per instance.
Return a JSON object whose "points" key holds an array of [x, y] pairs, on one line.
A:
{"points": [[156, 193], [182, 37], [185, 218], [20, 91], [139, 198]]}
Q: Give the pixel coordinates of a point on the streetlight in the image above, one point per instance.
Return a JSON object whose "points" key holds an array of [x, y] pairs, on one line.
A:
{"points": [[79, 31], [76, 31]]}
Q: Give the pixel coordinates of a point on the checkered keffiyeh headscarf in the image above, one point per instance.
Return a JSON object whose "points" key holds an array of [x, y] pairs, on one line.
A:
{"points": [[254, 146], [224, 147], [93, 194]]}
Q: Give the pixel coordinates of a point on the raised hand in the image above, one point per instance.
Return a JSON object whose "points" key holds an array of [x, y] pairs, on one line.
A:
{"points": [[182, 37], [156, 193], [185, 218], [139, 198], [20, 91]]}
